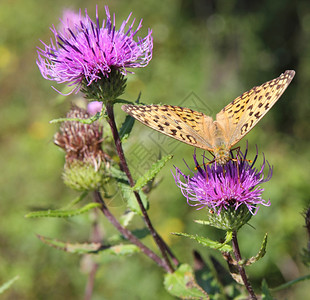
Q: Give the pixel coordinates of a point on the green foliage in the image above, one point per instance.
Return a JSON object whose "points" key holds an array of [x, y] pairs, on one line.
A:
{"points": [[90, 120], [209, 243], [260, 254], [75, 248], [291, 283], [62, 213], [7, 284], [91, 248], [131, 199], [151, 173], [126, 128], [122, 250], [182, 284], [266, 294]]}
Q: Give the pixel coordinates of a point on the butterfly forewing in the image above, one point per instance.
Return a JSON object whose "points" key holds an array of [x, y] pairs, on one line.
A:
{"points": [[183, 124], [232, 123], [249, 108]]}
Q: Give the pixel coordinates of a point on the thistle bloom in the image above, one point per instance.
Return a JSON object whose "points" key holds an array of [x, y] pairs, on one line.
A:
{"points": [[225, 187], [84, 52], [94, 107]]}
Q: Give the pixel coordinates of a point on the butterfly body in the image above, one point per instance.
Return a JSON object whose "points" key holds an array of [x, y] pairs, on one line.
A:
{"points": [[232, 123]]}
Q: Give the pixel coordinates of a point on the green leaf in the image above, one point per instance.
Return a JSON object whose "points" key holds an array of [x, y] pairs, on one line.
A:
{"points": [[202, 222], [126, 218], [228, 237], [207, 242], [76, 248], [151, 173], [122, 250], [182, 284], [62, 213], [131, 199], [129, 121], [76, 200], [266, 294], [117, 174], [119, 100], [7, 284], [126, 127], [260, 254], [90, 120], [290, 283]]}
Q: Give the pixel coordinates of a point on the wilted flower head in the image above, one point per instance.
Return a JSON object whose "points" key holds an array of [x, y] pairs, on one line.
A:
{"points": [[85, 51], [86, 162], [81, 141], [227, 187]]}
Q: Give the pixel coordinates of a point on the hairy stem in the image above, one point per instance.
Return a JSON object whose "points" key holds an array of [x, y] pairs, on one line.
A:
{"points": [[127, 233], [240, 267], [164, 249]]}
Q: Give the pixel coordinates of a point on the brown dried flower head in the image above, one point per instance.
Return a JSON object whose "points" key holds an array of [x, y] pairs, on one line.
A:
{"points": [[81, 142]]}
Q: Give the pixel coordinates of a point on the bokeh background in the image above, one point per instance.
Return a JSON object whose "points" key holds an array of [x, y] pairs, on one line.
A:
{"points": [[206, 53]]}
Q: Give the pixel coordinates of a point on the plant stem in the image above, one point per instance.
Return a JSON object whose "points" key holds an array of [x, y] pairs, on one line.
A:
{"points": [[240, 267], [123, 163], [127, 233], [96, 238], [91, 280]]}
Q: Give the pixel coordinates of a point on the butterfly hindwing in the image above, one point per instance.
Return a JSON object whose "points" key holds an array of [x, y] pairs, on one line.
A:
{"points": [[249, 108], [183, 124]]}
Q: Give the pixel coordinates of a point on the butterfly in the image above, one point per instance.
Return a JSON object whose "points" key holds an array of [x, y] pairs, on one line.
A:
{"points": [[232, 123]]}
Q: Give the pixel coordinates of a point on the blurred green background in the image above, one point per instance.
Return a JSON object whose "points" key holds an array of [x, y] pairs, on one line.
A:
{"points": [[206, 53]]}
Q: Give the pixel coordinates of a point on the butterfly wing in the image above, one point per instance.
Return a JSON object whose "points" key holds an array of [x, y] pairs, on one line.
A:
{"points": [[241, 115], [184, 124]]}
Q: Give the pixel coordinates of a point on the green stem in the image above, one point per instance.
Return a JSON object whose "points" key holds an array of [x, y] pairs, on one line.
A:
{"points": [[164, 249], [240, 267], [127, 233]]}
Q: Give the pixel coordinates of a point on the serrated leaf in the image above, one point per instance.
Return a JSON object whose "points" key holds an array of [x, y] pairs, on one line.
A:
{"points": [[7, 284], [122, 250], [90, 120], [62, 213], [260, 254], [126, 127], [151, 173], [182, 284], [76, 248], [266, 294], [206, 242], [131, 199]]}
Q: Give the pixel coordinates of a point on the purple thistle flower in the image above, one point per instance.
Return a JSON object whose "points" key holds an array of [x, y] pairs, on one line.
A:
{"points": [[84, 51], [94, 107], [225, 187]]}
